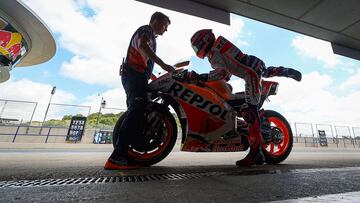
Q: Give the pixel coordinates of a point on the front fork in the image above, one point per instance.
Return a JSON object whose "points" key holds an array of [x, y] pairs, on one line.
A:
{"points": [[269, 134]]}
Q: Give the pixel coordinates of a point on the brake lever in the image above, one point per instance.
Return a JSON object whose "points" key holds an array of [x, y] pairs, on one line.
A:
{"points": [[181, 64]]}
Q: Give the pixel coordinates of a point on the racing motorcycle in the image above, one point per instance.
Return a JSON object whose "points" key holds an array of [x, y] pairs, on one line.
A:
{"points": [[209, 116]]}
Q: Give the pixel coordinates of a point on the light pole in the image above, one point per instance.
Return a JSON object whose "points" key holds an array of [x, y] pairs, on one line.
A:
{"points": [[102, 105], [3, 108], [47, 109]]}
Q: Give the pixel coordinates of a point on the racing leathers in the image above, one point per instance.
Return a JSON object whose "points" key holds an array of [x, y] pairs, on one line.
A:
{"points": [[226, 60]]}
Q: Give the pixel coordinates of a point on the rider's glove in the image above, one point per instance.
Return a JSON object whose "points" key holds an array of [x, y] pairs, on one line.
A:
{"points": [[192, 76], [182, 76], [195, 77]]}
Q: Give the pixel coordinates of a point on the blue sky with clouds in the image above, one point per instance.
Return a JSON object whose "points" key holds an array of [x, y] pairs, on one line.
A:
{"points": [[93, 35]]}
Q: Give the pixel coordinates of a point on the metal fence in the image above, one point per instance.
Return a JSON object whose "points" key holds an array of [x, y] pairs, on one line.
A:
{"points": [[356, 133], [16, 119], [57, 111], [11, 133], [336, 135], [16, 111], [305, 134]]}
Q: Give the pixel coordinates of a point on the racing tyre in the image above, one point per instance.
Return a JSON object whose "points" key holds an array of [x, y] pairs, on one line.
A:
{"points": [[160, 134], [276, 152]]}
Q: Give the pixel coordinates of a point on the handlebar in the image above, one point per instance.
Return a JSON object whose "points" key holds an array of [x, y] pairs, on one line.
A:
{"points": [[180, 75], [177, 66], [181, 64]]}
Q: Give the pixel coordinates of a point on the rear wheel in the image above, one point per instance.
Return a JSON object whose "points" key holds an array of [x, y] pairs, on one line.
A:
{"points": [[160, 133], [277, 151]]}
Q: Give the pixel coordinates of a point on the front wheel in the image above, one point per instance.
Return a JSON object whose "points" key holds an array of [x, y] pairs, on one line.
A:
{"points": [[279, 149], [160, 133]]}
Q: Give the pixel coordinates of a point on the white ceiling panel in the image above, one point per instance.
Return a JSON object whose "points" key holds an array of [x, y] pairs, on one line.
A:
{"points": [[336, 21]]}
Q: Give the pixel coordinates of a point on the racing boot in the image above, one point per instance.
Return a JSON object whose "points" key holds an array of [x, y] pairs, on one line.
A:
{"points": [[254, 138], [255, 157], [282, 72], [292, 73]]}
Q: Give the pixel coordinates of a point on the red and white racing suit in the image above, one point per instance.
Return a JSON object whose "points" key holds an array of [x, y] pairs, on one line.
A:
{"points": [[225, 58]]}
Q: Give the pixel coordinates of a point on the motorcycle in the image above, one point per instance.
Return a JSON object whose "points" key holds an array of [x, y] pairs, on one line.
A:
{"points": [[209, 116]]}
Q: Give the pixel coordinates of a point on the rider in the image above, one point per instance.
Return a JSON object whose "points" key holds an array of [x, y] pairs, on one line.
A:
{"points": [[226, 60], [135, 73]]}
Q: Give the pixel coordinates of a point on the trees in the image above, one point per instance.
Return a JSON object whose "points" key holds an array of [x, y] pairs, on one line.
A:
{"points": [[106, 121]]}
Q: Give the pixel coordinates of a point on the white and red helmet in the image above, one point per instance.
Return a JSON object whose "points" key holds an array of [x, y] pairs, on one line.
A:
{"points": [[202, 41]]}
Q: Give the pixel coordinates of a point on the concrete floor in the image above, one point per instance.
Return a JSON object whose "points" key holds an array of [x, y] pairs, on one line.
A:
{"points": [[307, 172]]}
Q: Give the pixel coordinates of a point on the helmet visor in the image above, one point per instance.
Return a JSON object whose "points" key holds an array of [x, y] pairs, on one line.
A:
{"points": [[195, 48]]}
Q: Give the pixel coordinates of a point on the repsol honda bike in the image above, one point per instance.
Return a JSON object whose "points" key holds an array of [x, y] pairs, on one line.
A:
{"points": [[209, 117]]}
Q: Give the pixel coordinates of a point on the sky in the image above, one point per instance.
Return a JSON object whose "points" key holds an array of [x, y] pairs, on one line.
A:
{"points": [[92, 37]]}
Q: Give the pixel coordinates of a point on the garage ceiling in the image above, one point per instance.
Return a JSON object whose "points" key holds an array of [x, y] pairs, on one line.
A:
{"points": [[331, 20]]}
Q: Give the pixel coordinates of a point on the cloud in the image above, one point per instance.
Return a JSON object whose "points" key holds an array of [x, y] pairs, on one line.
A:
{"points": [[352, 83], [238, 85], [27, 90], [91, 71], [314, 100], [115, 101], [97, 33], [316, 49]]}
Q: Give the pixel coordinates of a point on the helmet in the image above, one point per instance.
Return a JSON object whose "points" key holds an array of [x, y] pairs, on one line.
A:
{"points": [[202, 41]]}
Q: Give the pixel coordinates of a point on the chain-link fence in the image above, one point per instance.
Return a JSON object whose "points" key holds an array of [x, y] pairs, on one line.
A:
{"points": [[15, 112], [356, 133], [304, 133], [59, 115], [332, 135], [344, 133], [16, 119]]}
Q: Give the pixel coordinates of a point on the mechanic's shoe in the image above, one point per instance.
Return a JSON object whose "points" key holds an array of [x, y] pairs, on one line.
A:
{"points": [[294, 74], [120, 164], [255, 157]]}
